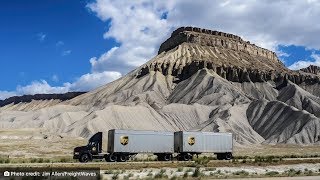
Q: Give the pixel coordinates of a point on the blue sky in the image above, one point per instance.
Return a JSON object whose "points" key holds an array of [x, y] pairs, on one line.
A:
{"points": [[50, 40], [55, 46]]}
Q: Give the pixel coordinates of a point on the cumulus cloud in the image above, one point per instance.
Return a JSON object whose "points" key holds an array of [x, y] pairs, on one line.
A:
{"points": [[40, 87], [92, 80], [86, 82], [6, 94], [305, 63], [140, 26], [137, 26]]}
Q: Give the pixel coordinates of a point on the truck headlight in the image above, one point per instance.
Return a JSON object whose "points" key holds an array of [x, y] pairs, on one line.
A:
{"points": [[76, 153]]}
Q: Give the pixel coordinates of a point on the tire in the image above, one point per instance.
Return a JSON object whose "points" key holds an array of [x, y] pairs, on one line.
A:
{"points": [[220, 156], [111, 158], [122, 158], [185, 157], [167, 157], [84, 158], [228, 156], [160, 157]]}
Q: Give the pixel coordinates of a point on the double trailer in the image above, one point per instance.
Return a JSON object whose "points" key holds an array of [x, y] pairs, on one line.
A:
{"points": [[123, 144]]}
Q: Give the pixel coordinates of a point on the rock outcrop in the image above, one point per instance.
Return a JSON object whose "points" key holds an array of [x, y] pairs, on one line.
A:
{"points": [[312, 69], [226, 54], [205, 37]]}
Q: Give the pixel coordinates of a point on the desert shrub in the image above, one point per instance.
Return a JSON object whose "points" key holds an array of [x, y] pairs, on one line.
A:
{"points": [[115, 176], [108, 172], [241, 173], [196, 172], [173, 177], [202, 160], [211, 169], [33, 160], [161, 174], [272, 173]]}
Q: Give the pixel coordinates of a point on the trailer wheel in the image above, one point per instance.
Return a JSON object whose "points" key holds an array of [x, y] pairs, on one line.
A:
{"points": [[122, 158], [84, 158], [228, 156], [111, 158], [167, 157], [220, 156], [186, 157]]}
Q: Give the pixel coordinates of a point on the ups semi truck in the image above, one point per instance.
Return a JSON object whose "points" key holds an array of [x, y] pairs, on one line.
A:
{"points": [[123, 144]]}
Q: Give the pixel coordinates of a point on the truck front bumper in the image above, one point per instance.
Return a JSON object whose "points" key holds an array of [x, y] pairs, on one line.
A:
{"points": [[76, 155]]}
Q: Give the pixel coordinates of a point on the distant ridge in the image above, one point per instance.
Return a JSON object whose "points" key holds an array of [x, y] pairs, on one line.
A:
{"points": [[29, 98]]}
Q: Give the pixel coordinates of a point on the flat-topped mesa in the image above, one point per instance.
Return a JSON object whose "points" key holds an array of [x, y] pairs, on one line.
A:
{"points": [[205, 37]]}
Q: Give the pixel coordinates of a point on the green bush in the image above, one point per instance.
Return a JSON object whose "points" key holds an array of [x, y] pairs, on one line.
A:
{"points": [[196, 172], [241, 173], [115, 176], [272, 173]]}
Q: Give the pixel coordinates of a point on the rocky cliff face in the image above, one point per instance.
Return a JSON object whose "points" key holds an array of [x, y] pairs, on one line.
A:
{"points": [[312, 69], [205, 37], [190, 49]]}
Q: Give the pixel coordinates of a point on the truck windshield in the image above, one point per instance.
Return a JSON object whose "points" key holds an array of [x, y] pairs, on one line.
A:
{"points": [[91, 143]]}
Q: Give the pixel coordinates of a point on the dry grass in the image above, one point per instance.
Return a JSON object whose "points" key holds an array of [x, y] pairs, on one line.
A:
{"points": [[277, 150]]}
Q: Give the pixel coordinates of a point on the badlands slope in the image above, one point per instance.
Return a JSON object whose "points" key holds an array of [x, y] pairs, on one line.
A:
{"points": [[201, 80]]}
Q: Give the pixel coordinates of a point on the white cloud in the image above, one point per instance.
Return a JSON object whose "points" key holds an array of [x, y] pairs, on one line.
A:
{"points": [[92, 80], [305, 63], [40, 87], [6, 94], [139, 27], [86, 82], [65, 53], [41, 36]]}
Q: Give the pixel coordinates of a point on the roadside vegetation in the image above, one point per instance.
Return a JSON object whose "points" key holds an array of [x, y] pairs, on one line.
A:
{"points": [[203, 173]]}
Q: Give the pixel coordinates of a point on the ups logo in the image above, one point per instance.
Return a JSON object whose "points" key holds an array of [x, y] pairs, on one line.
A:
{"points": [[191, 141], [124, 140]]}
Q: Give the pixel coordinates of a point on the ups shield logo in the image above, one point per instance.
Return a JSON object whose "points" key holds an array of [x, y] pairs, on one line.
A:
{"points": [[191, 141], [124, 140]]}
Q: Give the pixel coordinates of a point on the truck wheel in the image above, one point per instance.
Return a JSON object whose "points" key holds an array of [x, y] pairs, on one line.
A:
{"points": [[122, 158], [84, 158], [167, 157], [185, 157], [111, 158], [228, 156], [220, 156]]}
